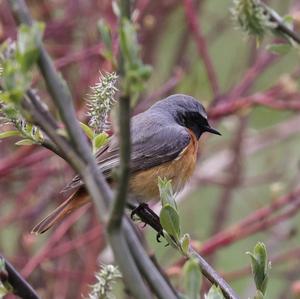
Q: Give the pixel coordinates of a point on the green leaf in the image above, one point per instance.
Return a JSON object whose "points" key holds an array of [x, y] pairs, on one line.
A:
{"points": [[192, 279], [135, 71], [36, 134], [214, 293], [259, 295], [25, 142], [62, 132], [105, 34], [87, 130], [28, 41], [289, 21], [279, 49], [260, 266], [116, 9], [169, 220], [166, 192], [99, 140], [145, 71], [185, 243], [7, 134]]}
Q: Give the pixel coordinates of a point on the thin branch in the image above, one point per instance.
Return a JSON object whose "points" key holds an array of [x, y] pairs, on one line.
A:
{"points": [[281, 26], [213, 276], [124, 140], [161, 287], [227, 108], [20, 286]]}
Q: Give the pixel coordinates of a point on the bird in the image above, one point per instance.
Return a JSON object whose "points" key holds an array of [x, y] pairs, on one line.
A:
{"points": [[164, 143]]}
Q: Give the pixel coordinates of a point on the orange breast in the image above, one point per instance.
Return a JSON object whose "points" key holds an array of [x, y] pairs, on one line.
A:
{"points": [[144, 183]]}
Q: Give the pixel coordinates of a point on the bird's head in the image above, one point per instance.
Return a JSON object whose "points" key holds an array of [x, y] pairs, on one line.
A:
{"points": [[187, 112]]}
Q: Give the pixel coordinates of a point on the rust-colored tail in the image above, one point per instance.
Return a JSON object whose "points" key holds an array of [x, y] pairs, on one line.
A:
{"points": [[72, 203]]}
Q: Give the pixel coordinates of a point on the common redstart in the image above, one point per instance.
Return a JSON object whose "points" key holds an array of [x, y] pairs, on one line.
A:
{"points": [[164, 143]]}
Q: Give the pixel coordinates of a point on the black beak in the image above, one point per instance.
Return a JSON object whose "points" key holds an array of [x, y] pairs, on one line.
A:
{"points": [[209, 129]]}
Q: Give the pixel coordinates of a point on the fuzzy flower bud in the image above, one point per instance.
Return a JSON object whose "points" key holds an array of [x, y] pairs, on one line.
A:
{"points": [[100, 101], [252, 17], [106, 277]]}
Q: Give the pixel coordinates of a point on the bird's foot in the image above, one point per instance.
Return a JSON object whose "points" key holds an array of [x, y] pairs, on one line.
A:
{"points": [[148, 217]]}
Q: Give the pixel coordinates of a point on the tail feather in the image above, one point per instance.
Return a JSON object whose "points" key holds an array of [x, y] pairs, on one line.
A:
{"points": [[71, 204]]}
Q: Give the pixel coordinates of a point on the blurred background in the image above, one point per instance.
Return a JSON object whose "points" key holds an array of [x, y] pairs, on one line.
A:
{"points": [[246, 185]]}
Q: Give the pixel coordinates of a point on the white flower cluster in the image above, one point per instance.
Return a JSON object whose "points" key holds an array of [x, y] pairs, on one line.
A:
{"points": [[106, 277], [101, 100]]}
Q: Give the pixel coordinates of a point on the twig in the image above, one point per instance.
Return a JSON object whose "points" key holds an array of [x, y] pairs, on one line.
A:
{"points": [[281, 27], [55, 238], [161, 287], [213, 276], [229, 107], [20, 286], [117, 211], [250, 77]]}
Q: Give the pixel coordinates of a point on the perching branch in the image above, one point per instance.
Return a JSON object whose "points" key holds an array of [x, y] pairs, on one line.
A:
{"points": [[213, 276], [20, 286]]}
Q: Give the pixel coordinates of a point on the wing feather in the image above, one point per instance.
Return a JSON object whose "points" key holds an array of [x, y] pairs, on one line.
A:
{"points": [[153, 143]]}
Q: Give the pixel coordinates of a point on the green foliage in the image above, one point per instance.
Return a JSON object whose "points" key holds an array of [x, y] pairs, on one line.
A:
{"points": [[279, 49], [17, 59], [192, 279], [185, 243], [169, 218], [166, 192], [7, 134], [105, 33], [28, 41], [135, 72], [87, 130], [99, 140], [31, 134], [214, 293], [260, 268]]}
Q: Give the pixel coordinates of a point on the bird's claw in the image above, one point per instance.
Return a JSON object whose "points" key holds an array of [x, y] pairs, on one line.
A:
{"points": [[147, 216], [159, 235]]}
